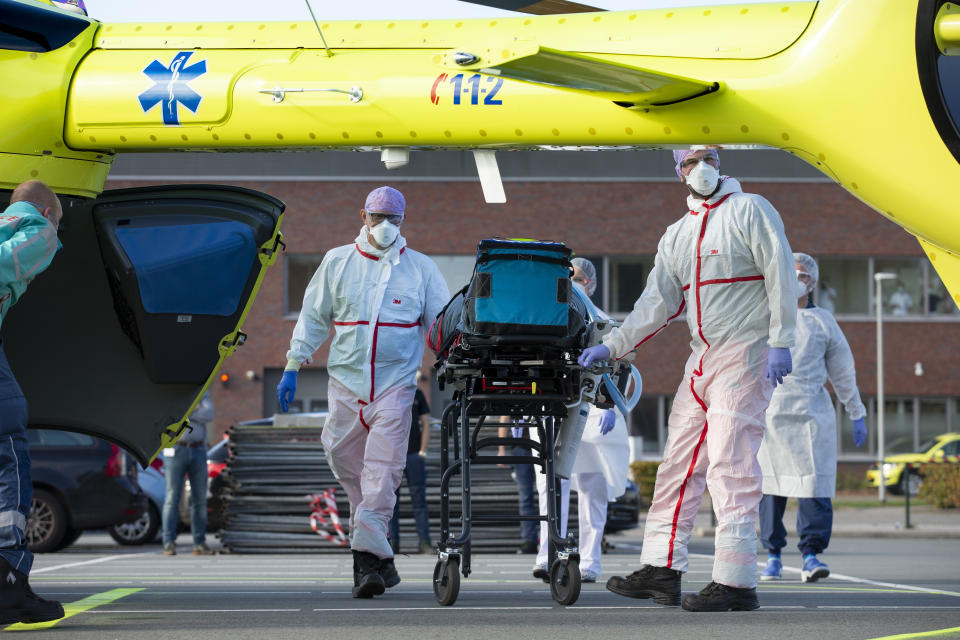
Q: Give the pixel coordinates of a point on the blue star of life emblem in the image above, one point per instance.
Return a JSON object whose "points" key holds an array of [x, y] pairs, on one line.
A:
{"points": [[172, 87]]}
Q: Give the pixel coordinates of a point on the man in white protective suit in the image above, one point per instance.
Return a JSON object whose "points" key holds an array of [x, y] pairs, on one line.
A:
{"points": [[727, 263], [799, 451], [379, 297], [599, 471]]}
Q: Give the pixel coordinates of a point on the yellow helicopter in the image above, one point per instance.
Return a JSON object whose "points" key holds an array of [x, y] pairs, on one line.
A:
{"points": [[867, 91]]}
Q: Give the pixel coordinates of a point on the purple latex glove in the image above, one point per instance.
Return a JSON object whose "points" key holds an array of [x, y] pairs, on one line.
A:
{"points": [[859, 431], [779, 364], [607, 421], [592, 354], [287, 389]]}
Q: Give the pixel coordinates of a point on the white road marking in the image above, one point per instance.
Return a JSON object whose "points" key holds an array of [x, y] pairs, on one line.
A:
{"points": [[191, 610], [85, 562]]}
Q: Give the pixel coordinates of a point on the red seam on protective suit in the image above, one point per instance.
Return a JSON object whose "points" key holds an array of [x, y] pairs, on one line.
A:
{"points": [[350, 324], [731, 280], [703, 433], [373, 357], [371, 256], [669, 320], [362, 421]]}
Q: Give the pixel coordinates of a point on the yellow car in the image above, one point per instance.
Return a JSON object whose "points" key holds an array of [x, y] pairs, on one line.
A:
{"points": [[943, 448]]}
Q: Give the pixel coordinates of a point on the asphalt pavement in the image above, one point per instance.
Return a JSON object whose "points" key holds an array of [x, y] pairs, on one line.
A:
{"points": [[879, 586]]}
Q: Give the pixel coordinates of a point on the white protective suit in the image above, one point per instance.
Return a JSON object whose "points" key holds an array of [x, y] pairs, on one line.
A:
{"points": [[379, 303], [799, 451], [599, 476], [728, 263]]}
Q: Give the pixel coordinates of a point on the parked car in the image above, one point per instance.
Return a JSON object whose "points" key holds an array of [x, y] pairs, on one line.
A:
{"points": [[79, 482], [147, 525], [944, 448]]}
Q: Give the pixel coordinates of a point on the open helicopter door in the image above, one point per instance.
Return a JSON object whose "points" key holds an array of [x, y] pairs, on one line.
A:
{"points": [[119, 337]]}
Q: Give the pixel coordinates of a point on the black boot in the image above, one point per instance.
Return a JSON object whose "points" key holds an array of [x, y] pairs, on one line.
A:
{"points": [[366, 575], [660, 584], [18, 602], [720, 597], [388, 571]]}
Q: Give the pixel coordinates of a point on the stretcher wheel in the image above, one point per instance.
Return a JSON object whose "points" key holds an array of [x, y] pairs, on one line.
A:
{"points": [[446, 581], [565, 581]]}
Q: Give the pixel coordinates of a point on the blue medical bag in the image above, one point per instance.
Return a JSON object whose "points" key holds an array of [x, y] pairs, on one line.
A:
{"points": [[519, 287]]}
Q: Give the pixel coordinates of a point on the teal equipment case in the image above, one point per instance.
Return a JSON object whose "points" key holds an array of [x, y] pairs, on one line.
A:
{"points": [[519, 287]]}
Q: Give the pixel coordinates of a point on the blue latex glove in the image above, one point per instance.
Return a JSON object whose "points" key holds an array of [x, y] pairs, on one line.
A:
{"points": [[607, 421], [779, 364], [287, 389], [592, 354], [859, 431]]}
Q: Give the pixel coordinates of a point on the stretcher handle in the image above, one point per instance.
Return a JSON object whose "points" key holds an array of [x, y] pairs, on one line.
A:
{"points": [[625, 405]]}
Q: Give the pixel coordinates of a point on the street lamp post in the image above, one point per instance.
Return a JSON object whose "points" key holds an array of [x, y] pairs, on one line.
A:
{"points": [[878, 303]]}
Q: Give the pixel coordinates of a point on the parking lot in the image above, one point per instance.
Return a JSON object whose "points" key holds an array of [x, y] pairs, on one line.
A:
{"points": [[880, 587]]}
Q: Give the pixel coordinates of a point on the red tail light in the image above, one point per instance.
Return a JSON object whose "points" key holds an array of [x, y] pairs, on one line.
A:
{"points": [[115, 466], [214, 468]]}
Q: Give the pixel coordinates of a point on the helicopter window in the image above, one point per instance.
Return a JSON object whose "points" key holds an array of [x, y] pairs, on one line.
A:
{"points": [[33, 28], [948, 68], [165, 257]]}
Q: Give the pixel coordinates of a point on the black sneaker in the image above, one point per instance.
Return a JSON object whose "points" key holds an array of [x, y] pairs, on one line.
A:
{"points": [[18, 602], [367, 581], [720, 597], [388, 571], [660, 584], [541, 573]]}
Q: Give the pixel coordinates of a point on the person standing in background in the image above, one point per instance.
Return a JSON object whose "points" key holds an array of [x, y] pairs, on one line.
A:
{"points": [[798, 455], [188, 458]]}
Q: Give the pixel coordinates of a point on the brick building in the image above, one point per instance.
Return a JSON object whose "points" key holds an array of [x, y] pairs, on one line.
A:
{"points": [[611, 207]]}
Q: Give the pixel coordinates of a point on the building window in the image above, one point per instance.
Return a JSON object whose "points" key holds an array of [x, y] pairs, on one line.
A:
{"points": [[298, 270], [938, 299], [903, 296], [846, 288], [844, 285], [628, 277]]}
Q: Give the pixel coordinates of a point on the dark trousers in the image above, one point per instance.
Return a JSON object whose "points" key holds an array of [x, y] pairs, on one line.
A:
{"points": [[16, 489], [814, 523], [416, 474], [526, 492]]}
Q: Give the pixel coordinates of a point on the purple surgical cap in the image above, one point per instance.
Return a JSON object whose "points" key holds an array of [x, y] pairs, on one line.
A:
{"points": [[385, 200], [679, 155]]}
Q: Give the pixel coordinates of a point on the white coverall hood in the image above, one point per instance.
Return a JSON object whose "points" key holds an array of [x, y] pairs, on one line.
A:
{"points": [[799, 451]]}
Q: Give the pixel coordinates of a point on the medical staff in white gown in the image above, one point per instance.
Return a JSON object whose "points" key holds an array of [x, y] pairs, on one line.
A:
{"points": [[379, 297], [799, 451]]}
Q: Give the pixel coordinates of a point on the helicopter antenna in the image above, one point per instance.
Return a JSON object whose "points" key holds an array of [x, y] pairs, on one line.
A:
{"points": [[324, 40]]}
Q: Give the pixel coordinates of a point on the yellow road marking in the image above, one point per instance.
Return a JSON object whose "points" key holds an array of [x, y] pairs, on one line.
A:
{"points": [[73, 608], [922, 634]]}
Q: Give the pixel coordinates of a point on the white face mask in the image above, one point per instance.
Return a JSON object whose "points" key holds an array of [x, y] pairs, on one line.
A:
{"points": [[703, 178], [801, 288], [384, 234]]}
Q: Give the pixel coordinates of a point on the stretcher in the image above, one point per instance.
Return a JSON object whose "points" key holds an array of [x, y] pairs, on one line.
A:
{"points": [[534, 380]]}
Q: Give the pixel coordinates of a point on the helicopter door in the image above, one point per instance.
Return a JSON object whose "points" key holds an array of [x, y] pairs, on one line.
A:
{"points": [[119, 337]]}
